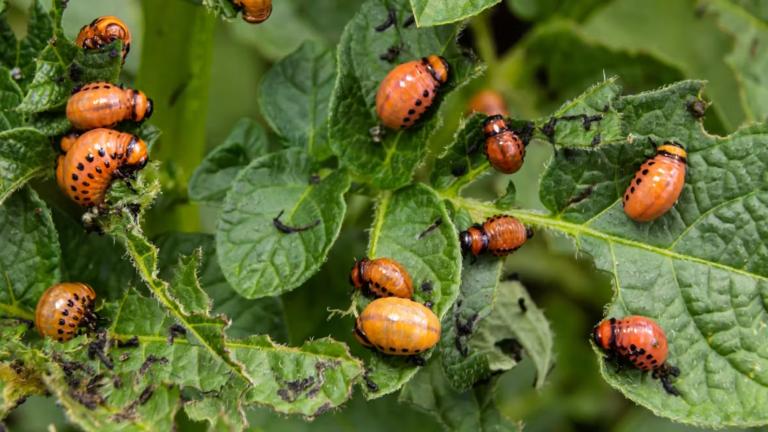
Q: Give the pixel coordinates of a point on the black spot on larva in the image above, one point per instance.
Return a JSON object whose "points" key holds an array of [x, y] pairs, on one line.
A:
{"points": [[77, 297], [381, 348], [85, 192], [106, 163], [632, 189], [392, 349], [426, 93], [65, 312], [113, 156], [406, 119], [60, 331], [70, 303], [411, 111], [75, 177], [102, 153], [405, 350], [77, 198], [649, 356], [626, 197], [62, 322], [89, 157], [80, 166], [633, 347], [98, 170], [86, 199], [86, 184], [418, 102], [74, 189], [638, 181], [90, 176], [651, 163]]}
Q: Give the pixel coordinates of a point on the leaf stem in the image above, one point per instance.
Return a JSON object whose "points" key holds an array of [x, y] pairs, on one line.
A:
{"points": [[13, 311], [486, 47]]}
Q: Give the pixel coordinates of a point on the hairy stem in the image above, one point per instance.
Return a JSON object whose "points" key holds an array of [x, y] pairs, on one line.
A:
{"points": [[175, 71]]}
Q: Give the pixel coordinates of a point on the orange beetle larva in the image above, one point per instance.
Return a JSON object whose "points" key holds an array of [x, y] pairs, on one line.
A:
{"points": [[503, 148], [101, 104], [409, 90], [657, 185], [63, 308], [255, 11], [397, 326], [385, 277], [103, 31], [499, 234], [90, 161]]}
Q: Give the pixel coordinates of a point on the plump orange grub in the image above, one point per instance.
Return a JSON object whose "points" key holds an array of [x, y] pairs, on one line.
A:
{"points": [[409, 90], [103, 31], [500, 234], [503, 148], [385, 277], [488, 102], [657, 184], [397, 326], [63, 308], [639, 341], [101, 104], [91, 161], [255, 11]]}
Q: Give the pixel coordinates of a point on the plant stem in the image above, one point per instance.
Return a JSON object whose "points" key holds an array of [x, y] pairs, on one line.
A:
{"points": [[486, 47], [175, 71]]}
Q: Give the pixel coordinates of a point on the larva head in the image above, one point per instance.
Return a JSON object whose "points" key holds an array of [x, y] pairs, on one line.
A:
{"points": [[142, 106], [494, 125], [440, 68], [672, 149], [356, 275], [136, 154], [603, 333]]}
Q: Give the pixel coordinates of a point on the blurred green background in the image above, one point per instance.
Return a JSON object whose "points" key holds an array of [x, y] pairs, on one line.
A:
{"points": [[539, 54]]}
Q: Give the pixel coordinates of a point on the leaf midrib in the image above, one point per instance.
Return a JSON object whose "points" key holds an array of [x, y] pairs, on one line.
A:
{"points": [[577, 230]]}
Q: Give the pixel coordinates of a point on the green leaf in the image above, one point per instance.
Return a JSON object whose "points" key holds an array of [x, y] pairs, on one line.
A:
{"points": [[10, 97], [540, 10], [506, 201], [412, 227], [61, 67], [295, 96], [465, 362], [699, 270], [256, 257], [8, 43], [261, 316], [749, 56], [30, 260], [222, 8], [464, 158], [24, 155], [621, 25], [473, 410], [561, 60], [435, 12], [390, 163], [214, 176]]}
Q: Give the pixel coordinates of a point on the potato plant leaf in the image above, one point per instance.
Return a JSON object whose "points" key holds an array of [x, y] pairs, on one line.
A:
{"points": [[413, 227], [363, 62], [749, 55], [24, 155], [469, 411], [29, 262], [436, 12], [295, 96], [214, 176], [261, 316], [699, 270], [10, 97], [259, 254]]}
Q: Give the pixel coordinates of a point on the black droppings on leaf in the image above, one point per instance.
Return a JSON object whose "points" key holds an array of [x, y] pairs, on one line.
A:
{"points": [[459, 170], [151, 360], [581, 196], [391, 54], [697, 108], [97, 347], [436, 224], [146, 394], [293, 389], [427, 287], [289, 229], [176, 94], [324, 408], [133, 342], [175, 331], [390, 21], [596, 140], [314, 179], [521, 303]]}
